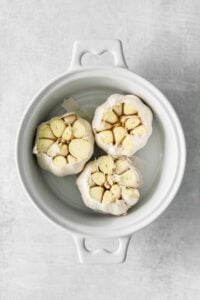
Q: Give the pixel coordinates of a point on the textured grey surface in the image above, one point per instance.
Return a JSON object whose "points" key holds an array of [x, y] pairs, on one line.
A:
{"points": [[161, 41]]}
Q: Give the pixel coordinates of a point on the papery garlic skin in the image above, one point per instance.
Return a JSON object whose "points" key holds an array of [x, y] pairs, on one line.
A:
{"points": [[122, 112], [118, 192], [70, 134]]}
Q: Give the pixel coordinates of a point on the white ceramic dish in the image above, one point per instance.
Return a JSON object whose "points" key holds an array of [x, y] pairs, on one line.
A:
{"points": [[164, 156]]}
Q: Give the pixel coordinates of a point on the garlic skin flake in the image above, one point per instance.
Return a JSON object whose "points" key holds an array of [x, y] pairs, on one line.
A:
{"points": [[110, 185], [122, 125], [64, 144]]}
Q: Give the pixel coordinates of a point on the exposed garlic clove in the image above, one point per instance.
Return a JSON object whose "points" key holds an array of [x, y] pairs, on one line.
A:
{"points": [[130, 196], [97, 192], [44, 144], [140, 130], [110, 117], [116, 191], [128, 142], [106, 136], [119, 133], [53, 150], [130, 193], [71, 159], [129, 109], [67, 133], [130, 179], [44, 131], [63, 149], [70, 119], [106, 164], [98, 178], [132, 122], [121, 166], [103, 126], [123, 119], [118, 109], [78, 129], [59, 161], [80, 148], [108, 197], [57, 126], [57, 149]]}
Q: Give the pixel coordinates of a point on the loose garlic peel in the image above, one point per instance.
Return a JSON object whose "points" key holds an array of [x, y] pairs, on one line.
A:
{"points": [[64, 144], [122, 125], [110, 185]]}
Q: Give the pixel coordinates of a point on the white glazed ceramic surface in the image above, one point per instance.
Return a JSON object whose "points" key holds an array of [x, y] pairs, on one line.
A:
{"points": [[163, 156]]}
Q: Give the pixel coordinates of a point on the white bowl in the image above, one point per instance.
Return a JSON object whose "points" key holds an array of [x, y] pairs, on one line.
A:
{"points": [[164, 155]]}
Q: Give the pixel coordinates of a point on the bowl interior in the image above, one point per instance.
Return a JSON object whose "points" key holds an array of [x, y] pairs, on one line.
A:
{"points": [[59, 197]]}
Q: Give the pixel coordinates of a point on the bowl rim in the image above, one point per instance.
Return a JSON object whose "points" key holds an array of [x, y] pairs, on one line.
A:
{"points": [[180, 169]]}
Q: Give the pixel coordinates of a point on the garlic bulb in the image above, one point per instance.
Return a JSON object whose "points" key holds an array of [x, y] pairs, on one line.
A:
{"points": [[110, 185], [122, 125], [64, 144]]}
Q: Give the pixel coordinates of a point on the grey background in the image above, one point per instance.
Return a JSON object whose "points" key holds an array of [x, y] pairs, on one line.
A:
{"points": [[161, 40]]}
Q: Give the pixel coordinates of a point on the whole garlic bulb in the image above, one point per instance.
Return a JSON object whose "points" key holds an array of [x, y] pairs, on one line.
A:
{"points": [[110, 185], [122, 125], [64, 144]]}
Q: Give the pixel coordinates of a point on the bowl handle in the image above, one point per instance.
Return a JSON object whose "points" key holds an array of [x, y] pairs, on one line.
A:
{"points": [[102, 256], [97, 47]]}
